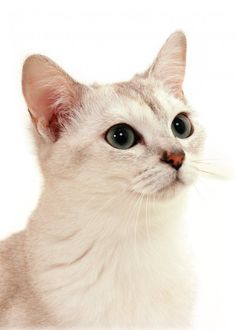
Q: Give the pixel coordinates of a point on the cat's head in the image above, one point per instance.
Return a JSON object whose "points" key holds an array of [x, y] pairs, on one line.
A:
{"points": [[138, 137]]}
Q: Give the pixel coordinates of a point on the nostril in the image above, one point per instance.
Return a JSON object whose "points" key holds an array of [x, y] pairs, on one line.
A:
{"points": [[177, 166]]}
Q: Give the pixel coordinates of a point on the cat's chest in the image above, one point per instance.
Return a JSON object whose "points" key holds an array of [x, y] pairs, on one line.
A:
{"points": [[129, 284]]}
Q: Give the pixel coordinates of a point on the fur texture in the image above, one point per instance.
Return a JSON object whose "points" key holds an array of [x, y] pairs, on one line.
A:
{"points": [[106, 245]]}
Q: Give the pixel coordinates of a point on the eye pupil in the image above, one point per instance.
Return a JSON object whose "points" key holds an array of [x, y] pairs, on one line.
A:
{"points": [[179, 125], [121, 136]]}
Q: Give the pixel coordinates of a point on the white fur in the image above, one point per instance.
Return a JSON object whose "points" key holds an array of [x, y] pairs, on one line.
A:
{"points": [[138, 270], [106, 245]]}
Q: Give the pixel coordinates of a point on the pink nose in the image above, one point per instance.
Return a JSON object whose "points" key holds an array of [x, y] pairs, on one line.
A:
{"points": [[174, 158]]}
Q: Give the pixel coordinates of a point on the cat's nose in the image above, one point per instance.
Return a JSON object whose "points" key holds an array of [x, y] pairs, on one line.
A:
{"points": [[173, 158]]}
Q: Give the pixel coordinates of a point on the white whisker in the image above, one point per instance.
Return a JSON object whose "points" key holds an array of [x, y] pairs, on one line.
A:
{"points": [[140, 200], [209, 173], [147, 224]]}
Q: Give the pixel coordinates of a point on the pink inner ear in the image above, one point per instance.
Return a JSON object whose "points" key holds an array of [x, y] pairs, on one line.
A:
{"points": [[40, 103], [50, 107], [50, 94]]}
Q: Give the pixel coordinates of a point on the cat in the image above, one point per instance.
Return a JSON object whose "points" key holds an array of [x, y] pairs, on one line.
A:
{"points": [[106, 246]]}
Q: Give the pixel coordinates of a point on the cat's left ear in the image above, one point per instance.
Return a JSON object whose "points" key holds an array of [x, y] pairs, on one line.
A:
{"points": [[169, 66]]}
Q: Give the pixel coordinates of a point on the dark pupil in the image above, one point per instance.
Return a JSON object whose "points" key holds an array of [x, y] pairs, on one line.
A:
{"points": [[179, 125], [120, 136]]}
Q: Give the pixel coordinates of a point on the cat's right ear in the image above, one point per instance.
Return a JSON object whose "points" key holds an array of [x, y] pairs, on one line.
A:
{"points": [[169, 66], [51, 95]]}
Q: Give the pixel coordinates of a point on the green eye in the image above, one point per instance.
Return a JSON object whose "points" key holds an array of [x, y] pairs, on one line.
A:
{"points": [[121, 136], [181, 126]]}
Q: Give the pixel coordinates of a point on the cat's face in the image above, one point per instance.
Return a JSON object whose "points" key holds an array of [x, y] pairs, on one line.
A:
{"points": [[138, 137]]}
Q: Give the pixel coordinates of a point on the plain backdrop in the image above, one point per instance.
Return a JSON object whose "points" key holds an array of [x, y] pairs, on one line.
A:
{"points": [[105, 41]]}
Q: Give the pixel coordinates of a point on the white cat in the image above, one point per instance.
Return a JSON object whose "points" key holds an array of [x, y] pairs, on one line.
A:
{"points": [[106, 244]]}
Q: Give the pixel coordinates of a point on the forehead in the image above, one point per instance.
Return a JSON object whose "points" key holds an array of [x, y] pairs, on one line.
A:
{"points": [[141, 104], [141, 92], [113, 104], [139, 98]]}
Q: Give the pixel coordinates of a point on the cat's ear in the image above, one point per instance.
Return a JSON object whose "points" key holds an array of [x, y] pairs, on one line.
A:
{"points": [[50, 94], [169, 66]]}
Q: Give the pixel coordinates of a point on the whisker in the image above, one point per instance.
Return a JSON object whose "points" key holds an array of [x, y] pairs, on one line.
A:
{"points": [[209, 173], [146, 174], [203, 199], [130, 212], [140, 200], [147, 222]]}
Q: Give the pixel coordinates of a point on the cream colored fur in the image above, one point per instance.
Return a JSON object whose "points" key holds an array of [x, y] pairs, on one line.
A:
{"points": [[106, 245]]}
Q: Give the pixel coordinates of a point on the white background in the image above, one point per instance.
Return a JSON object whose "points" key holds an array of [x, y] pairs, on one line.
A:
{"points": [[107, 41]]}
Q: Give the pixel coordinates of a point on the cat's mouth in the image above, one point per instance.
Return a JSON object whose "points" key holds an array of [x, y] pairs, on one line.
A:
{"points": [[175, 184]]}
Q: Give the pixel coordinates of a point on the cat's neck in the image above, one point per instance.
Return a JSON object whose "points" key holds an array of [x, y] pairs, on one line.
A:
{"points": [[70, 217], [64, 210]]}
